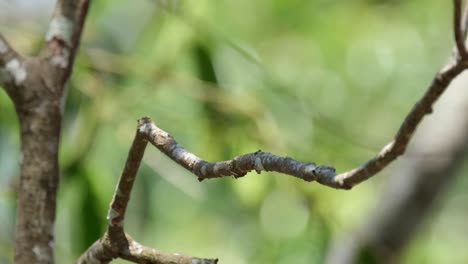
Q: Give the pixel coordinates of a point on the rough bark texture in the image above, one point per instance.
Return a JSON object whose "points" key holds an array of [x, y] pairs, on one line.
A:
{"points": [[37, 87], [238, 166], [38, 109], [37, 95]]}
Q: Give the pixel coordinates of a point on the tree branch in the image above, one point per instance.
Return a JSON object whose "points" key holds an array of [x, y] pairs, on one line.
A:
{"points": [[11, 69], [394, 221], [105, 250], [414, 188], [398, 145], [118, 206], [64, 34], [237, 167], [263, 161], [37, 88], [458, 26], [141, 254], [115, 243], [464, 22]]}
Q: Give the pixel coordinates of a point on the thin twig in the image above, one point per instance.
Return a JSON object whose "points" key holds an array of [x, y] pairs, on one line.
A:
{"points": [[118, 206], [105, 250], [263, 161], [413, 189], [459, 29], [138, 253], [238, 166]]}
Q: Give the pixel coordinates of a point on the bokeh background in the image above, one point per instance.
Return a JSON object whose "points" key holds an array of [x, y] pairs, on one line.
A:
{"points": [[322, 81]]}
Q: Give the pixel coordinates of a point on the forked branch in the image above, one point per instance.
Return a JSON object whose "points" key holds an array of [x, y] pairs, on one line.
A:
{"points": [[115, 243]]}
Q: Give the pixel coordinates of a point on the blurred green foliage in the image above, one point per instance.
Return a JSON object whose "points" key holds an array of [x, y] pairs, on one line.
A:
{"points": [[322, 81]]}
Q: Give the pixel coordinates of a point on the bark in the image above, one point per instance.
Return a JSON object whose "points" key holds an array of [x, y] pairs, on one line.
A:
{"points": [[37, 87], [37, 94], [115, 243], [413, 189], [40, 117]]}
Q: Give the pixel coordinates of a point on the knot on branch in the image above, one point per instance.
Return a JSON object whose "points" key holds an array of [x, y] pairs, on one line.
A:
{"points": [[258, 166]]}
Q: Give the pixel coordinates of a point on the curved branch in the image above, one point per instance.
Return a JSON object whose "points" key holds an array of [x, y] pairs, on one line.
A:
{"points": [[238, 166], [416, 187], [398, 145], [263, 161]]}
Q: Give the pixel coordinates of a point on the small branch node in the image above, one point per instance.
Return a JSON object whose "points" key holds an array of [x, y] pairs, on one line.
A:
{"points": [[258, 165]]}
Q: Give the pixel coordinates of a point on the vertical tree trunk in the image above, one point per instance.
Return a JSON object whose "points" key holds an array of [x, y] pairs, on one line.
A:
{"points": [[37, 87], [37, 97], [40, 135]]}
